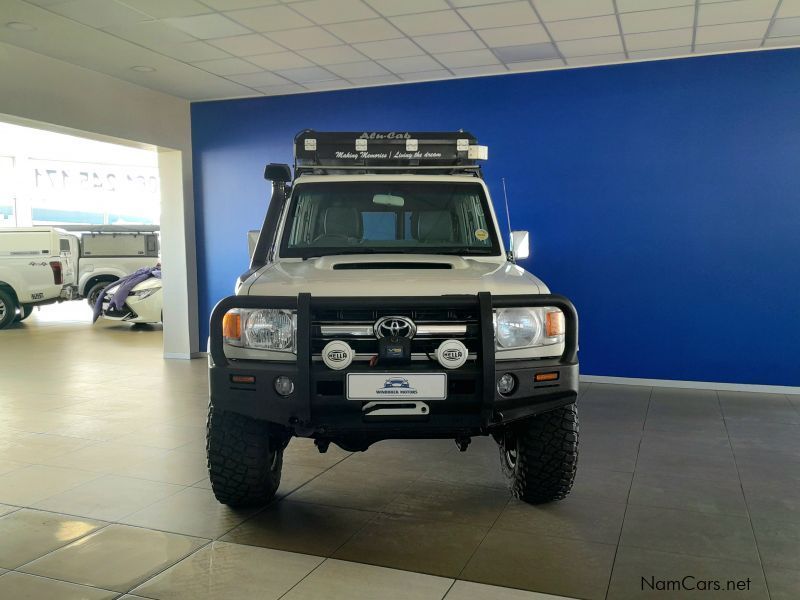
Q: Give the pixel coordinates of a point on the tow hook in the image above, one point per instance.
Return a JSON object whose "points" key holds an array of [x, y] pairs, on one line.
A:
{"points": [[462, 443], [322, 445]]}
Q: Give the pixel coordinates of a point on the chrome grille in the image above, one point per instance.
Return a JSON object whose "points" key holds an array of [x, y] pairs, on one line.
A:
{"points": [[355, 326]]}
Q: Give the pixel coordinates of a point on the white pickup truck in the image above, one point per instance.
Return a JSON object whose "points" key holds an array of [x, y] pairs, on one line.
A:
{"points": [[36, 266], [381, 303], [107, 255], [42, 265]]}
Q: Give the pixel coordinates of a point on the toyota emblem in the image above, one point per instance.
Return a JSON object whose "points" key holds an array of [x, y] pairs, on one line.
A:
{"points": [[394, 327]]}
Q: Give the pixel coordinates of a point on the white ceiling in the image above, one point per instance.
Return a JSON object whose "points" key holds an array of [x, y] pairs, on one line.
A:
{"points": [[209, 49]]}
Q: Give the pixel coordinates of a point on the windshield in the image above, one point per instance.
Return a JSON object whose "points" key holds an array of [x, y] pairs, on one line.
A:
{"points": [[354, 217]]}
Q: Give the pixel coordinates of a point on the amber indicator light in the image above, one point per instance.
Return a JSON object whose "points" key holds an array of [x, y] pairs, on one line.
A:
{"points": [[553, 376], [232, 325]]}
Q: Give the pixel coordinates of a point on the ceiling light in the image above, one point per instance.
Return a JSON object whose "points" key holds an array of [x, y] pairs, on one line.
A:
{"points": [[142, 69], [20, 26]]}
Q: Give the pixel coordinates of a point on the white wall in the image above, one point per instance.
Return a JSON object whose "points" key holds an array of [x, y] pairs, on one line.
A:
{"points": [[41, 91]]}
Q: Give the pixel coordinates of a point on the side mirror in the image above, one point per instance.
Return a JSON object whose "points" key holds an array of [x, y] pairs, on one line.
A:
{"points": [[520, 245], [277, 172]]}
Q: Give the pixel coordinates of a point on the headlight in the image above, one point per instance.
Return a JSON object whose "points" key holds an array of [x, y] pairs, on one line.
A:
{"points": [[263, 329], [528, 327], [146, 293]]}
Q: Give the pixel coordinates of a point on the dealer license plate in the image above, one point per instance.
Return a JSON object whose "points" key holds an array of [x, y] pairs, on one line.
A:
{"points": [[395, 386]]}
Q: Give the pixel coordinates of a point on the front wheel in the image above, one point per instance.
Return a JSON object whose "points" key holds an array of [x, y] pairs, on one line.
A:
{"points": [[244, 459], [95, 290], [539, 455]]}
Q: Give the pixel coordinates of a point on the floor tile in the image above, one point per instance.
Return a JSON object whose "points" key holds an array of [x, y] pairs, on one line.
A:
{"points": [[688, 493], [656, 442], [21, 586], [352, 489], [33, 483], [107, 457], [302, 451], [301, 527], [678, 464], [783, 584], [434, 500], [476, 466], [688, 532], [36, 447], [640, 573], [778, 543], [115, 558], [769, 464], [168, 437], [434, 547], [109, 497], [777, 500], [751, 406], [769, 436], [222, 570], [410, 457], [191, 511], [10, 465], [341, 580], [468, 590], [601, 449], [680, 419], [174, 466], [592, 521], [559, 566], [26, 534], [600, 484], [293, 477]]}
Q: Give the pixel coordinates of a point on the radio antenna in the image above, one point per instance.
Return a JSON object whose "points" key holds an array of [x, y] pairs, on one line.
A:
{"points": [[508, 214]]}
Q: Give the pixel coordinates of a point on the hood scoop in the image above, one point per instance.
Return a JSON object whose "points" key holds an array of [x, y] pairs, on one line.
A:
{"points": [[374, 262], [390, 265]]}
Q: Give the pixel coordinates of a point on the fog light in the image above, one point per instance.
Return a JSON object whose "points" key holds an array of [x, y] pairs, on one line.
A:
{"points": [[284, 386], [506, 384]]}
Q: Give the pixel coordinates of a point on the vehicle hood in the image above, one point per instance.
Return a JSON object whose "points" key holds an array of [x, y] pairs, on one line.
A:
{"points": [[379, 275]]}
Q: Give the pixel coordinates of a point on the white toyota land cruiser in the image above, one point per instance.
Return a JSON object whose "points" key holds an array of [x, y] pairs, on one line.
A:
{"points": [[381, 304]]}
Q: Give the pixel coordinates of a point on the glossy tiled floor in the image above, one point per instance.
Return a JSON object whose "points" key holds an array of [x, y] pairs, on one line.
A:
{"points": [[103, 493]]}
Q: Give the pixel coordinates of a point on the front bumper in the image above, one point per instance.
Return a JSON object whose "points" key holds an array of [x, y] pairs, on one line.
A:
{"points": [[318, 406]]}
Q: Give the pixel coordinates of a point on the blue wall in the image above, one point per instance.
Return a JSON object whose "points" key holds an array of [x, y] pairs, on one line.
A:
{"points": [[663, 198]]}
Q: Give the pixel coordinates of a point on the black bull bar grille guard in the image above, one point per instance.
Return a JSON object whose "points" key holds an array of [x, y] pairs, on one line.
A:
{"points": [[485, 303]]}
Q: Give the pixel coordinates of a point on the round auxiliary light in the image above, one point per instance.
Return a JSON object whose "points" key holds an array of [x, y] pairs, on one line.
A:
{"points": [[284, 385], [337, 355], [451, 354], [506, 384]]}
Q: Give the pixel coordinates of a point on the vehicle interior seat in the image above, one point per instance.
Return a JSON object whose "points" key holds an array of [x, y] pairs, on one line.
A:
{"points": [[341, 224], [434, 226]]}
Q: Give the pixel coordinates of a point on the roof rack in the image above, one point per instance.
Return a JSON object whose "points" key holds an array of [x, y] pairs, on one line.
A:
{"points": [[110, 228], [387, 152]]}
